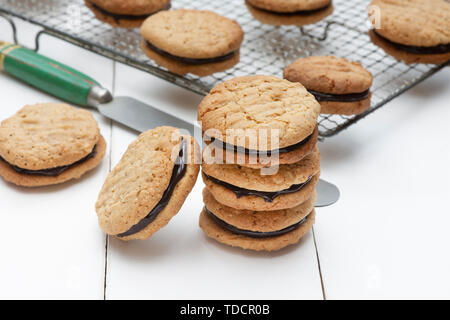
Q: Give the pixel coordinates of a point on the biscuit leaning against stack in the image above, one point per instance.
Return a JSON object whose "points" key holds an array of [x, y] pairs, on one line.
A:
{"points": [[262, 163], [148, 186]]}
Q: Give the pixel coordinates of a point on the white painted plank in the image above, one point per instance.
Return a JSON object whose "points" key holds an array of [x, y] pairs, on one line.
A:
{"points": [[179, 262], [51, 245], [388, 236]]}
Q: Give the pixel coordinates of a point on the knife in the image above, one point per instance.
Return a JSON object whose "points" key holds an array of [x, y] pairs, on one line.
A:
{"points": [[77, 88]]}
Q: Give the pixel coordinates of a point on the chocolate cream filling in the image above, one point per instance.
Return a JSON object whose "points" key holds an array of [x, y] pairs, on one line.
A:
{"points": [[117, 16], [296, 13], [439, 49], [189, 60], [231, 147], [178, 173], [267, 196], [351, 97], [53, 172], [253, 234]]}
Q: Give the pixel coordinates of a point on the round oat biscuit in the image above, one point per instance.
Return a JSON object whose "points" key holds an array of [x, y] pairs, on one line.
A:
{"points": [[259, 221], [131, 7], [137, 183], [332, 75], [407, 57], [292, 19], [423, 23], [289, 6], [75, 172], [269, 160], [182, 68], [46, 136], [259, 106], [285, 176], [255, 203], [329, 74], [214, 231], [195, 34]]}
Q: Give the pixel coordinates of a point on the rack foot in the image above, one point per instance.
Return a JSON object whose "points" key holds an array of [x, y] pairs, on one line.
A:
{"points": [[13, 26]]}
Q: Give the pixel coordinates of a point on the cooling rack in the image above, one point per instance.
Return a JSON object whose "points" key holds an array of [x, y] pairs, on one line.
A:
{"points": [[266, 49]]}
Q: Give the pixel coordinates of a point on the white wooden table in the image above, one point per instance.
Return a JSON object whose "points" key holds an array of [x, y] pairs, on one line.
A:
{"points": [[388, 236]]}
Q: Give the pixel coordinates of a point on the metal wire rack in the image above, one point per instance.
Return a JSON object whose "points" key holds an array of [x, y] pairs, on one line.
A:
{"points": [[266, 49]]}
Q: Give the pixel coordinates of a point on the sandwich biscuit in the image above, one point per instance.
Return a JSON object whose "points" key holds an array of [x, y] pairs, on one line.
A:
{"points": [[192, 41], [148, 186], [339, 85], [47, 144]]}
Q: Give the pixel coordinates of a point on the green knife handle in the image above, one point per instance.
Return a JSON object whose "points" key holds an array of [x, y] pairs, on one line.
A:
{"points": [[47, 74]]}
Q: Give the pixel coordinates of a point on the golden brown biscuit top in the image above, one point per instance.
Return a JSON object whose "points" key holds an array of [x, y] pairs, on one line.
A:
{"points": [[258, 105], [45, 136], [329, 74], [195, 34], [423, 23]]}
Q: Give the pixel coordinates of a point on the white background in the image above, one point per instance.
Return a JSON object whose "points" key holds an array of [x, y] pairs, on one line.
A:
{"points": [[387, 237]]}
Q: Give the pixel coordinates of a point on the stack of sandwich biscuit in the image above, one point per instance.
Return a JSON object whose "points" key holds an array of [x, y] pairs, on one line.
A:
{"points": [[261, 163]]}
